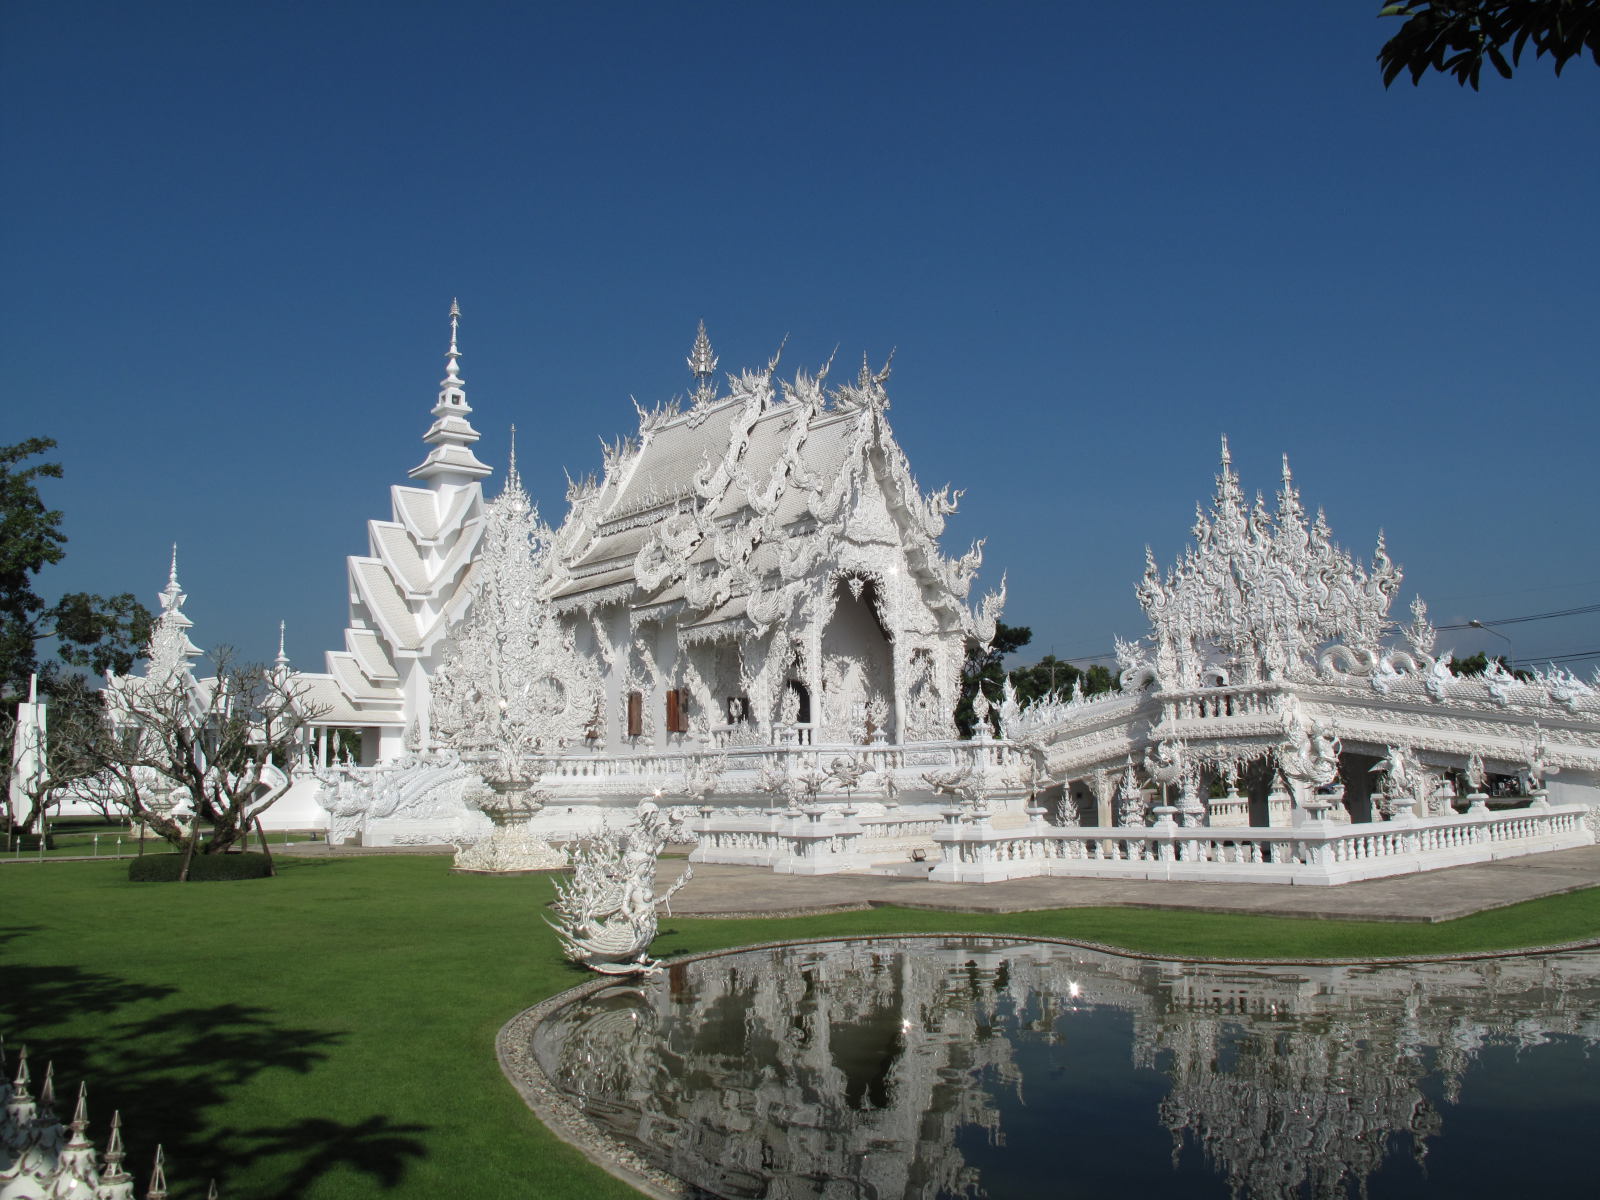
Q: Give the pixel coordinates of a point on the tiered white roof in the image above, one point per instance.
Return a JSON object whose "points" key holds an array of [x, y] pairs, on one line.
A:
{"points": [[718, 513], [409, 589]]}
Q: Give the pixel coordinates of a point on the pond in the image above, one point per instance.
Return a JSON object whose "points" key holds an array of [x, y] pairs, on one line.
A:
{"points": [[947, 1067]]}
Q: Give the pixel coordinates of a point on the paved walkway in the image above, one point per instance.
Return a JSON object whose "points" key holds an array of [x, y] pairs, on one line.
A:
{"points": [[1429, 896]]}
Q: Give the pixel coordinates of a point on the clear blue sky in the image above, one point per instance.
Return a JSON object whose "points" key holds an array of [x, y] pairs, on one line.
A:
{"points": [[1096, 235]]}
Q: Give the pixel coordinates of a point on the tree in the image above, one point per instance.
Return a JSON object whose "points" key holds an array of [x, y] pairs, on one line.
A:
{"points": [[1455, 36], [196, 761], [1051, 674], [94, 632], [74, 716], [985, 667], [1477, 664]]}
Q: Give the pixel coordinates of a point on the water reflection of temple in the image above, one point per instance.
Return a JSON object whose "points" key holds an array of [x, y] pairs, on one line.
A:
{"points": [[850, 1069]]}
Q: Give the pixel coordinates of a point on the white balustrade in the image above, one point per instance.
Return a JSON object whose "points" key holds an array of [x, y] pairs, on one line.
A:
{"points": [[1314, 853]]}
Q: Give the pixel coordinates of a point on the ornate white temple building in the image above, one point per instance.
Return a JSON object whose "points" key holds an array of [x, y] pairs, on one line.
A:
{"points": [[748, 609], [754, 574]]}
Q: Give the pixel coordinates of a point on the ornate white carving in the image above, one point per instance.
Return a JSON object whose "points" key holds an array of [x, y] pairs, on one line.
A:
{"points": [[512, 683], [1259, 594], [606, 914], [429, 789], [510, 850]]}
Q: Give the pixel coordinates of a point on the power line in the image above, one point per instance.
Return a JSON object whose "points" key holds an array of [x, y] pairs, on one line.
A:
{"points": [[1565, 612], [1555, 658]]}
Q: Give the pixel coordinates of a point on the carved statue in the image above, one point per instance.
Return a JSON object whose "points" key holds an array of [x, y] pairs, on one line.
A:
{"points": [[606, 914], [1309, 752], [1131, 804], [1402, 776], [1538, 760], [1477, 776]]}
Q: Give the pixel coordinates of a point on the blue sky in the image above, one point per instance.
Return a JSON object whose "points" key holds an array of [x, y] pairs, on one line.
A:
{"points": [[1096, 237]]}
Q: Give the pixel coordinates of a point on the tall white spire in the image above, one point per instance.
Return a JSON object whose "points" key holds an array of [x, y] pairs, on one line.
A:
{"points": [[451, 435], [172, 596], [283, 659], [513, 479], [170, 649], [702, 365]]}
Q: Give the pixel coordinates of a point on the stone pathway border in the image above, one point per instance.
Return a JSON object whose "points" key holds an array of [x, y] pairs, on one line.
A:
{"points": [[572, 1125]]}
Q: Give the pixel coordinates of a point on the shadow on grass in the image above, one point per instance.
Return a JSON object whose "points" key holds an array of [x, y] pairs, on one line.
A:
{"points": [[315, 1146], [168, 1070]]}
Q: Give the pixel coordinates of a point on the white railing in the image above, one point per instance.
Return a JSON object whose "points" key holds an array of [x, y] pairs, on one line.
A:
{"points": [[577, 777], [1200, 704], [814, 839], [1314, 853]]}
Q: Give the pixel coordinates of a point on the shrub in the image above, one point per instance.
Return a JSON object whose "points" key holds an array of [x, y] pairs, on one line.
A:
{"points": [[164, 868]]}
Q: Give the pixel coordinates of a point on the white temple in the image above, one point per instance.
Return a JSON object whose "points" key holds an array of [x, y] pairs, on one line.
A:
{"points": [[749, 610], [1274, 732], [755, 574]]}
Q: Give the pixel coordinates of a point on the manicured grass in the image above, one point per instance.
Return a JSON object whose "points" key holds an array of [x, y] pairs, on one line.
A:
{"points": [[77, 837], [330, 1033]]}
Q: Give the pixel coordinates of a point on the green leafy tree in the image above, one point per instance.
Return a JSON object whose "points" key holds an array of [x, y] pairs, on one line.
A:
{"points": [[1477, 664], [1051, 674], [1454, 37], [985, 668], [92, 632]]}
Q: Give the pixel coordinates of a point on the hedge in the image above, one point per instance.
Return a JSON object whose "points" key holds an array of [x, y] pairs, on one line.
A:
{"points": [[164, 868]]}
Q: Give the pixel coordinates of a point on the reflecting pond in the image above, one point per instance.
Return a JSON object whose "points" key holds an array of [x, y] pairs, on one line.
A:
{"points": [[989, 1067]]}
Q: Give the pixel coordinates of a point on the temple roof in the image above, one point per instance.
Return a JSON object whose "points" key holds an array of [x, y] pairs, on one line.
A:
{"points": [[729, 488]]}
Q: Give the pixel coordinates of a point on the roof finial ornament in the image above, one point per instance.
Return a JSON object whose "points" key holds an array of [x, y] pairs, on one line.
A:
{"points": [[112, 1173], [451, 461], [513, 477], [702, 365], [158, 1177], [283, 659], [452, 369], [172, 576], [1227, 457]]}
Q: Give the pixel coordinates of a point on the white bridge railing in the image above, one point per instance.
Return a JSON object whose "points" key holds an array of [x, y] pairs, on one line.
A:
{"points": [[572, 777], [1314, 853], [964, 846], [813, 840]]}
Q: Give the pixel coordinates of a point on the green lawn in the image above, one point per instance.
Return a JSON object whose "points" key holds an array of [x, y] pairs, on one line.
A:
{"points": [[330, 1033], [76, 837]]}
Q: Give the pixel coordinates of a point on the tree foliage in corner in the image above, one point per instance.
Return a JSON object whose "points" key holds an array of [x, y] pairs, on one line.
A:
{"points": [[93, 632], [1456, 36], [986, 668]]}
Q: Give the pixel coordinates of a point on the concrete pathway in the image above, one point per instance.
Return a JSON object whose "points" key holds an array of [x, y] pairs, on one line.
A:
{"points": [[721, 891]]}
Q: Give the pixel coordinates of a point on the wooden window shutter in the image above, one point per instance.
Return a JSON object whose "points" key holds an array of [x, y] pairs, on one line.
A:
{"points": [[635, 714], [675, 721]]}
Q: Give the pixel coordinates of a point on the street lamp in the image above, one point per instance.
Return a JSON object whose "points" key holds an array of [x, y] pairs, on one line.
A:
{"points": [[1511, 650]]}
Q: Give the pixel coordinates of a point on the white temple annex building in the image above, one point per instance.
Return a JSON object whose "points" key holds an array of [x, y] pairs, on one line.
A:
{"points": [[747, 612]]}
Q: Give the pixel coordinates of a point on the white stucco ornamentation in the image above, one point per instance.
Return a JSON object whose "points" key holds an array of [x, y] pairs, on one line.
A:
{"points": [[1262, 593], [606, 915], [755, 573], [42, 1156], [1271, 657], [511, 685], [408, 801]]}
